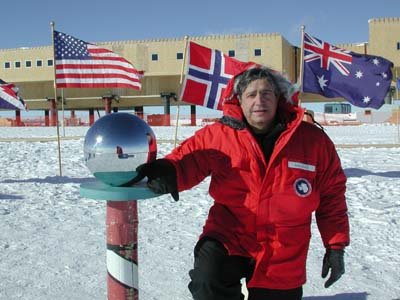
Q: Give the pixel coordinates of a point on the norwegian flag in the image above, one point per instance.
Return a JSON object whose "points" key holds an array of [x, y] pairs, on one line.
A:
{"points": [[208, 73], [363, 80], [9, 98]]}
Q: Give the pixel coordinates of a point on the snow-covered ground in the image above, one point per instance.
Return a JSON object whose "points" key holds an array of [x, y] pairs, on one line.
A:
{"points": [[52, 241]]}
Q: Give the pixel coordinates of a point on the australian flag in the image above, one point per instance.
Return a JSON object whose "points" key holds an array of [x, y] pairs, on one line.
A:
{"points": [[208, 73], [363, 80]]}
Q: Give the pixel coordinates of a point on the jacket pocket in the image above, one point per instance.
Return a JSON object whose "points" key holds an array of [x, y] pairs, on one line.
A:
{"points": [[295, 196]]}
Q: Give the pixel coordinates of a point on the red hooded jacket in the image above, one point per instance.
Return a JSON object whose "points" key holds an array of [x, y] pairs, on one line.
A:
{"points": [[263, 210]]}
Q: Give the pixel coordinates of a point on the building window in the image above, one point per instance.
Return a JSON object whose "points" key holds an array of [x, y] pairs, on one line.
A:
{"points": [[17, 64], [154, 57], [257, 52], [179, 55], [49, 62], [7, 65], [28, 64], [39, 63], [398, 45], [231, 53]]}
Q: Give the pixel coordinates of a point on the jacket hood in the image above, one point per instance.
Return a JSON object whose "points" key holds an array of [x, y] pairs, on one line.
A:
{"points": [[287, 106]]}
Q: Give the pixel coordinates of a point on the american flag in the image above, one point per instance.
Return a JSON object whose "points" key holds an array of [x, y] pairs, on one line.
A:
{"points": [[9, 98], [363, 80], [208, 73], [83, 65]]}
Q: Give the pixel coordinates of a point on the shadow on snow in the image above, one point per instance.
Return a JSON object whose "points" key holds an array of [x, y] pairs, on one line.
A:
{"points": [[51, 179], [344, 296], [10, 197], [355, 172], [48, 179]]}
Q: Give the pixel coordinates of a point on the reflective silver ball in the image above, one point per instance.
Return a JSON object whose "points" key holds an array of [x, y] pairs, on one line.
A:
{"points": [[116, 144]]}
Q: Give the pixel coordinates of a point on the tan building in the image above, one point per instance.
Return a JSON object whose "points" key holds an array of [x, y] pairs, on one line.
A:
{"points": [[31, 69]]}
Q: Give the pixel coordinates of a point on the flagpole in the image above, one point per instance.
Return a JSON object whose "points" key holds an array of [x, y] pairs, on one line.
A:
{"points": [[397, 86], [398, 109], [180, 85], [62, 108], [301, 71], [55, 98]]}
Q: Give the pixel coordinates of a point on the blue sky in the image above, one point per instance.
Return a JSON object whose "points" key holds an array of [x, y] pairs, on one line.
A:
{"points": [[26, 23]]}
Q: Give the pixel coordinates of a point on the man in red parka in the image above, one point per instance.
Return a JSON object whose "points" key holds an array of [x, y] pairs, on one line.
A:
{"points": [[269, 172]]}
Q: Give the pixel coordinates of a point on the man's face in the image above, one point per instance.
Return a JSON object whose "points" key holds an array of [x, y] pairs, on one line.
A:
{"points": [[259, 105]]}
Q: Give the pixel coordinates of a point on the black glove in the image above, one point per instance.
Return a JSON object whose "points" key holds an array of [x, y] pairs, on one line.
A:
{"points": [[334, 260], [161, 176]]}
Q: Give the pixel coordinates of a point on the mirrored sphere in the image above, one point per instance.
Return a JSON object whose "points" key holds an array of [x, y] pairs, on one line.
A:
{"points": [[116, 144]]}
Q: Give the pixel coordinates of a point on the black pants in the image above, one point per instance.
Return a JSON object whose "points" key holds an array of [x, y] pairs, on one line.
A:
{"points": [[216, 276]]}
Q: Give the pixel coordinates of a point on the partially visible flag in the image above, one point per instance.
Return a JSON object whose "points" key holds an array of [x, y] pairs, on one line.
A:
{"points": [[9, 85], [363, 80], [208, 73], [83, 65], [9, 98]]}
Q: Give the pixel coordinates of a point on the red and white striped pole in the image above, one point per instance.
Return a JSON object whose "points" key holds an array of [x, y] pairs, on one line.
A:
{"points": [[122, 250], [113, 168]]}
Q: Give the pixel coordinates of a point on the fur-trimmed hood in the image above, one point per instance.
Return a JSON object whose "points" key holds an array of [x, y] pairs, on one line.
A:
{"points": [[287, 106]]}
